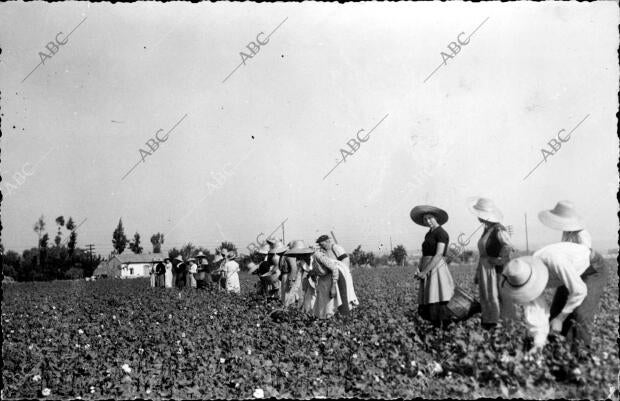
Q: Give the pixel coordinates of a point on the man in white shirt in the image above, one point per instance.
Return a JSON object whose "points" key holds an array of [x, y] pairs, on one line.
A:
{"points": [[579, 276]]}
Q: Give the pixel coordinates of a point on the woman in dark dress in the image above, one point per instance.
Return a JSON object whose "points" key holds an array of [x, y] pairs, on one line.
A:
{"points": [[436, 283]]}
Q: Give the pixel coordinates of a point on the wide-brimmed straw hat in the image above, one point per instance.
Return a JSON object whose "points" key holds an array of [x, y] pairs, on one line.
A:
{"points": [[524, 279], [277, 247], [299, 247], [200, 255], [179, 258], [485, 209], [218, 258], [562, 217], [418, 212], [204, 262]]}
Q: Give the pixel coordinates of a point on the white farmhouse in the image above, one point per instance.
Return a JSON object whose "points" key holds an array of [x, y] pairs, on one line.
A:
{"points": [[136, 265]]}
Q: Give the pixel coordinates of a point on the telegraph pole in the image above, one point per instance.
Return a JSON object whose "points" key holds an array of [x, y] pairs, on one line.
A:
{"points": [[90, 252], [283, 240], [391, 249], [527, 244]]}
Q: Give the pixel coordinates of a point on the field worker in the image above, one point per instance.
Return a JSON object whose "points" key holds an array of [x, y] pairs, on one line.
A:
{"points": [[436, 283], [201, 282], [494, 248], [271, 279], [580, 276], [153, 271], [292, 294], [263, 267], [345, 280], [215, 269], [563, 217], [161, 273], [168, 276], [231, 272], [192, 269], [179, 270], [324, 272], [308, 283]]}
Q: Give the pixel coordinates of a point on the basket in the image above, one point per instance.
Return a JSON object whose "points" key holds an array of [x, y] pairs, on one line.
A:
{"points": [[462, 304]]}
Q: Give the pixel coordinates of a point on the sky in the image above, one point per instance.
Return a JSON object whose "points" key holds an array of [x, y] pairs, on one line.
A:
{"points": [[246, 151]]}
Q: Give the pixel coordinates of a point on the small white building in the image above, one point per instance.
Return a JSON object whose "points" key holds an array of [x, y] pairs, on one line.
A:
{"points": [[137, 265]]}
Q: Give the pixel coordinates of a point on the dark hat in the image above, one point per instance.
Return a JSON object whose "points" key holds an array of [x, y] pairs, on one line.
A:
{"points": [[418, 212], [322, 238]]}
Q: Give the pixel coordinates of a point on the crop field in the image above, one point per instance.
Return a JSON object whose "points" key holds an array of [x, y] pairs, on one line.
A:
{"points": [[122, 339]]}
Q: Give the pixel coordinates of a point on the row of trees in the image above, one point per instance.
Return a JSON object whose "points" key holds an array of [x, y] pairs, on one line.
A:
{"points": [[62, 259], [120, 241]]}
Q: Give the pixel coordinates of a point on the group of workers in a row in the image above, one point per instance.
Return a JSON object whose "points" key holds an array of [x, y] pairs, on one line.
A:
{"points": [[197, 272], [315, 279]]}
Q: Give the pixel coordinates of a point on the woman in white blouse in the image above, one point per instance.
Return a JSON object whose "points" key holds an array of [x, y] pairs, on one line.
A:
{"points": [[231, 272]]}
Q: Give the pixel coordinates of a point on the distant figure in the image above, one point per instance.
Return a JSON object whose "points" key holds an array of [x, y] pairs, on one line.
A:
{"points": [[192, 271], [179, 269], [292, 293], [495, 248], [580, 276], [271, 278], [563, 217], [161, 273], [153, 272], [155, 267], [345, 279], [231, 272], [436, 283], [168, 275]]}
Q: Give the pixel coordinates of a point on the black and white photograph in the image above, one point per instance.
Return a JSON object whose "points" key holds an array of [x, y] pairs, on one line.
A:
{"points": [[309, 200]]}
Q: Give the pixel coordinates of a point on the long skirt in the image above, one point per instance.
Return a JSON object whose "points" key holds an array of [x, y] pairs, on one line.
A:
{"points": [[294, 294], [490, 299], [325, 306], [438, 285], [168, 279], [346, 290], [153, 277], [435, 292], [232, 283], [309, 291], [577, 327]]}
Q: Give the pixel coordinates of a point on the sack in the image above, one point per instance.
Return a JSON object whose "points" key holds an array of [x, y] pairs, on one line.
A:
{"points": [[462, 304]]}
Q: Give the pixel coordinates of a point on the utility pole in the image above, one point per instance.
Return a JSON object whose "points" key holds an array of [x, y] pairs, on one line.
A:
{"points": [[391, 249], [90, 252], [283, 239], [527, 244]]}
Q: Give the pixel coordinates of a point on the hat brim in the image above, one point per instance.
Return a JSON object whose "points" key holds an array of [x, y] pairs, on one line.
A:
{"points": [[299, 252], [418, 212], [556, 222], [534, 287], [492, 216], [218, 258], [280, 249]]}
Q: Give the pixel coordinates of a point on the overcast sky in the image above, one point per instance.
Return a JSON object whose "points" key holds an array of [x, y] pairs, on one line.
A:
{"points": [[272, 131]]}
